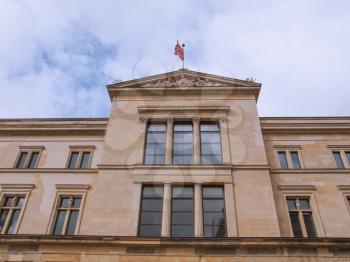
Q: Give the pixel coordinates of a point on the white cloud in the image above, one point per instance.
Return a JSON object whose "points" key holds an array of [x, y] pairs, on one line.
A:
{"points": [[57, 56]]}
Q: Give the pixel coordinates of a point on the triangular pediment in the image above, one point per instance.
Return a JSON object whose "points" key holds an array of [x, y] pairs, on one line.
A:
{"points": [[185, 78]]}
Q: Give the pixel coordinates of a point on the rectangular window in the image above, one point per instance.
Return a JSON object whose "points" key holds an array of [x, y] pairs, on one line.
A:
{"points": [[300, 215], [182, 211], [295, 159], [183, 143], [213, 211], [283, 159], [10, 211], [210, 143], [79, 159], [67, 214], [151, 211], [338, 160], [28, 159], [155, 143]]}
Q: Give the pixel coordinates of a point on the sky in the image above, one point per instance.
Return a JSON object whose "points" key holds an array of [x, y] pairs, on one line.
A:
{"points": [[57, 56]]}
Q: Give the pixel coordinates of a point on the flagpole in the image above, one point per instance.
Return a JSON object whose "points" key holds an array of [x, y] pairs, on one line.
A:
{"points": [[183, 61]]}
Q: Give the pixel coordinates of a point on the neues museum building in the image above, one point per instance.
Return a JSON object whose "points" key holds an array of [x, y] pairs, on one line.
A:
{"points": [[182, 170]]}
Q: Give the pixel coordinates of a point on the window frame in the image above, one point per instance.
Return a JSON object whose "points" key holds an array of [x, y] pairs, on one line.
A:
{"points": [[224, 213], [67, 191], [190, 123], [288, 150], [148, 123], [81, 150], [18, 190], [30, 150], [313, 205]]}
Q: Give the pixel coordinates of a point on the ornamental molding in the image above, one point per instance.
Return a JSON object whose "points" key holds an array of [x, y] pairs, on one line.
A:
{"points": [[183, 81], [296, 187], [306, 131], [17, 187], [52, 132]]}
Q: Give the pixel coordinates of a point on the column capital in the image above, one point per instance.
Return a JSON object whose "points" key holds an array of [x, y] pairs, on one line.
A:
{"points": [[195, 120], [170, 121]]}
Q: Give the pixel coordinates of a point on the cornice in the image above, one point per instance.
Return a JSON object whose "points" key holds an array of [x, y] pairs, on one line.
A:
{"points": [[296, 187], [311, 171], [305, 131], [73, 186], [48, 170], [17, 186]]}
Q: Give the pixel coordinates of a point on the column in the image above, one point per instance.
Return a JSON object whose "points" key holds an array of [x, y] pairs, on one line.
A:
{"points": [[141, 146], [230, 209], [196, 141], [198, 212], [169, 142], [166, 210], [225, 142]]}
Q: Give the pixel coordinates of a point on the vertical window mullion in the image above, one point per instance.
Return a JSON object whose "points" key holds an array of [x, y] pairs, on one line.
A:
{"points": [[301, 219], [65, 224], [8, 220]]}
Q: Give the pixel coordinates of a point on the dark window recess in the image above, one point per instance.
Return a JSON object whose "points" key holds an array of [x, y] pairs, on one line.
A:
{"points": [[183, 143], [79, 159], [295, 159], [338, 160], [155, 143], [151, 211], [348, 156], [213, 211], [210, 143], [182, 213], [309, 224], [10, 211], [294, 219], [283, 159]]}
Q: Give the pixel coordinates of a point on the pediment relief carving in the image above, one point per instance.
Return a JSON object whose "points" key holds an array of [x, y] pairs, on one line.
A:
{"points": [[184, 82]]}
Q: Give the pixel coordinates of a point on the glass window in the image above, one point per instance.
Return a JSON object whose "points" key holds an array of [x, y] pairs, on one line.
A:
{"points": [[182, 214], [10, 211], [300, 213], [79, 159], [338, 160], [348, 156], [67, 214], [213, 211], [155, 143], [283, 159], [27, 159], [151, 211], [295, 159], [183, 143], [210, 143]]}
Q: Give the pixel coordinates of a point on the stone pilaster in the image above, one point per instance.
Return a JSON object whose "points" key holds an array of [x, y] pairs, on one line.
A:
{"points": [[196, 141], [166, 210], [198, 211], [169, 142], [225, 142]]}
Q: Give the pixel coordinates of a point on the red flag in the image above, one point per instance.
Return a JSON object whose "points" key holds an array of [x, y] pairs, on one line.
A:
{"points": [[179, 51]]}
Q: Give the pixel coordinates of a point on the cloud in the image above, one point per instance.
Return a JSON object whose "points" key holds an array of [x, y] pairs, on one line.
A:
{"points": [[57, 56]]}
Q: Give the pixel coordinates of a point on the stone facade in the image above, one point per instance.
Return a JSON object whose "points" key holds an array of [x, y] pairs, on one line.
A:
{"points": [[256, 188]]}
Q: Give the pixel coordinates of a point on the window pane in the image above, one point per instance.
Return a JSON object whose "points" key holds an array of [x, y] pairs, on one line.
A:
{"points": [[182, 218], [295, 160], [59, 222], [152, 205], [150, 230], [76, 202], [156, 127], [182, 192], [151, 218], [213, 192], [33, 160], [73, 160], [3, 216], [309, 224], [291, 204], [338, 160], [20, 202], [348, 156], [213, 205], [294, 219], [85, 159], [181, 231], [22, 159], [213, 218], [182, 205], [214, 231], [64, 202], [283, 160], [153, 192], [304, 203], [13, 221], [155, 144], [9, 202], [72, 222]]}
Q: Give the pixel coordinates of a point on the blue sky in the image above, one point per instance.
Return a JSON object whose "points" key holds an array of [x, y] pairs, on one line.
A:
{"points": [[57, 56]]}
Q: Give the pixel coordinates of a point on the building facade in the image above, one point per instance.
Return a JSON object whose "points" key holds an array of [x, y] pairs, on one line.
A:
{"points": [[184, 169]]}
